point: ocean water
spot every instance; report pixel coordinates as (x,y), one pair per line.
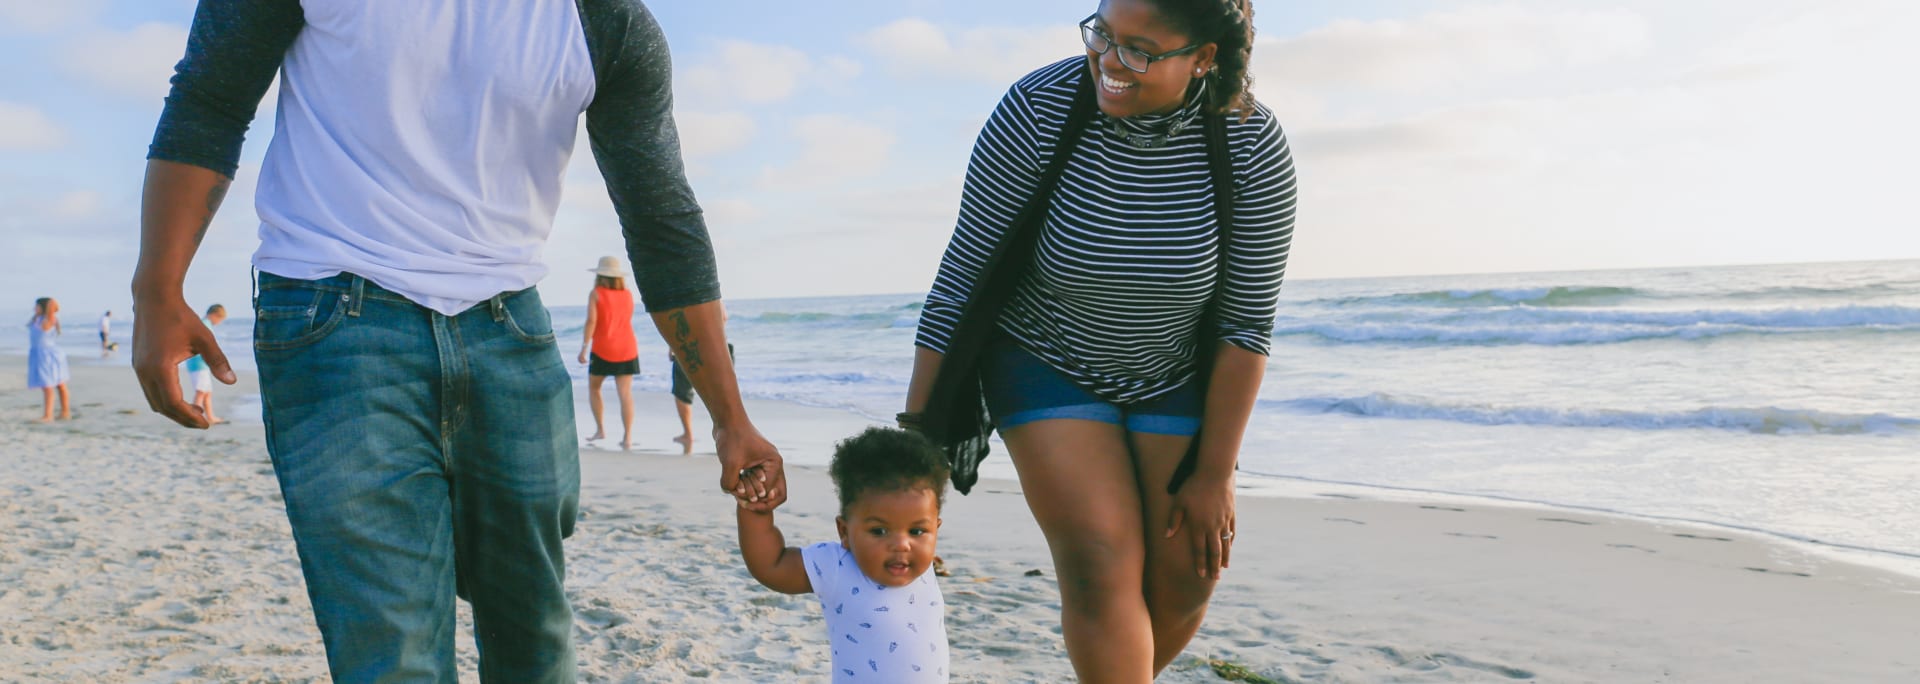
(1783,399)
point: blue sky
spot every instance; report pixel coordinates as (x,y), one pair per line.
(827,140)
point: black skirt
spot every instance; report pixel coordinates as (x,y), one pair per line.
(603,367)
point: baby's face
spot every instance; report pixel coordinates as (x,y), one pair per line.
(891,534)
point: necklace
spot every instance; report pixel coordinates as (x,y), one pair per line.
(1148,141)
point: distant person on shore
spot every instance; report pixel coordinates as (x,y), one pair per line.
(1110,292)
(106,334)
(46,361)
(609,348)
(683,399)
(885,619)
(420,413)
(200,375)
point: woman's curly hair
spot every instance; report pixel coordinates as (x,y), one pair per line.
(886,459)
(1229,25)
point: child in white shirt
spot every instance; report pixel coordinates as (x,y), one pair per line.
(885,616)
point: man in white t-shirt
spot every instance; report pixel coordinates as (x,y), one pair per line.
(420,418)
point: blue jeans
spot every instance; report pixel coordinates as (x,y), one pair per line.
(422,457)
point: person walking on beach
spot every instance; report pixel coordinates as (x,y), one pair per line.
(609,348)
(200,376)
(419,412)
(106,332)
(1110,288)
(46,361)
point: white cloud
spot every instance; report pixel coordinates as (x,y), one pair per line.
(833,148)
(1672,168)
(758,73)
(76,204)
(711,134)
(134,63)
(44,15)
(731,211)
(26,128)
(1451,48)
(992,54)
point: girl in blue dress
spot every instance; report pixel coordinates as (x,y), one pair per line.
(46,362)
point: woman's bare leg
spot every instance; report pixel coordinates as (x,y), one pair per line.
(1079,480)
(623,386)
(46,415)
(594,403)
(1176,595)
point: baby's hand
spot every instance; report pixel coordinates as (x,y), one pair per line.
(765,507)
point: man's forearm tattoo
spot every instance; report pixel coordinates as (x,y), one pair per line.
(686,349)
(214,196)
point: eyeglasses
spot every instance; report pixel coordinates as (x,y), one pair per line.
(1134,59)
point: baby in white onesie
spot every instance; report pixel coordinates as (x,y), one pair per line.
(885,618)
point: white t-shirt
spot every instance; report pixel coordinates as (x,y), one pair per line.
(879,633)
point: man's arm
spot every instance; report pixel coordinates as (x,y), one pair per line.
(233,51)
(697,336)
(631,130)
(768,558)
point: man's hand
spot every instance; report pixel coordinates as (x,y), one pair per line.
(750,467)
(165,333)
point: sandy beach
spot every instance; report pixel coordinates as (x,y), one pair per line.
(133,551)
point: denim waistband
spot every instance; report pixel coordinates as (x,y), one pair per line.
(359,288)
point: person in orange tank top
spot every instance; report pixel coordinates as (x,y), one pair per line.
(608,347)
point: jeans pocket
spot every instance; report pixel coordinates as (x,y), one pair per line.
(287,318)
(526,317)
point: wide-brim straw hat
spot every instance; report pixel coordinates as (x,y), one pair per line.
(609,267)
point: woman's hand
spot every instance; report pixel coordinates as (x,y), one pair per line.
(583,356)
(1204,509)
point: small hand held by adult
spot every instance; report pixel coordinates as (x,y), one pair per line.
(1204,509)
(750,467)
(166,333)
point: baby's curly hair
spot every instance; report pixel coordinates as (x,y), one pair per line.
(886,459)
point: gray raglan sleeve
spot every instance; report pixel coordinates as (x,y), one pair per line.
(233,51)
(630,127)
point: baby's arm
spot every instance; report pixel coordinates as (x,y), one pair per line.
(768,557)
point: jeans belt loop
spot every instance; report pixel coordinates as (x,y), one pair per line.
(253,283)
(499,305)
(359,295)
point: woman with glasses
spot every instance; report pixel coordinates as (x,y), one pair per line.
(1133,325)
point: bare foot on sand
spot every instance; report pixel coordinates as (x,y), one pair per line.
(597,436)
(626,443)
(686,442)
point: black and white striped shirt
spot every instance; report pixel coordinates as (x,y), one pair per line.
(1126,261)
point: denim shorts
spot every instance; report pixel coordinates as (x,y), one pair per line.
(1020,388)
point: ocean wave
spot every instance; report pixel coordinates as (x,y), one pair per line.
(822,379)
(893,318)
(1526,325)
(1763,420)
(1597,295)
(1565,295)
